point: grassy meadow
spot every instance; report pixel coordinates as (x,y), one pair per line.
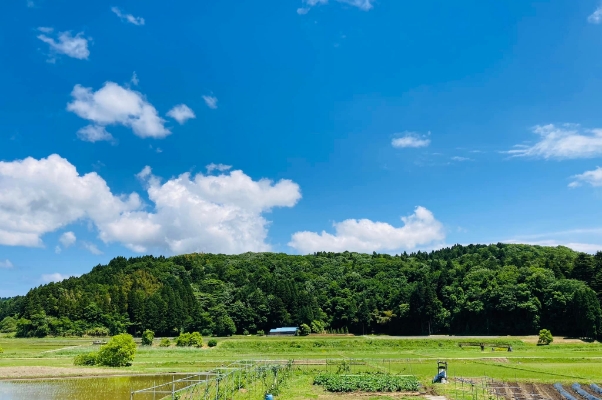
(562,361)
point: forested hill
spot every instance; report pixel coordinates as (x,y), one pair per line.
(476,289)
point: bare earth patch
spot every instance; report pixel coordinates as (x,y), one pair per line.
(52,372)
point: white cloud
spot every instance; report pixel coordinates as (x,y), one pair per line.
(58,249)
(460,159)
(211,101)
(410,139)
(72,46)
(115,105)
(420,228)
(567,141)
(56,277)
(212,213)
(41,196)
(134,81)
(67,239)
(181,113)
(593,177)
(6,264)
(365,5)
(94,133)
(30,4)
(92,248)
(220,213)
(128,17)
(596,16)
(220,167)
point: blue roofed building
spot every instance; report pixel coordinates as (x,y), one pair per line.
(290,331)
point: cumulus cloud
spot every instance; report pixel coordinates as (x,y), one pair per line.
(41,196)
(127,17)
(365,5)
(219,167)
(220,213)
(116,105)
(593,178)
(567,141)
(65,43)
(211,101)
(94,133)
(68,239)
(181,113)
(596,16)
(410,139)
(6,264)
(212,213)
(420,228)
(56,277)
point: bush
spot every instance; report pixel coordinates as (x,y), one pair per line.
(317,326)
(147,337)
(119,352)
(98,331)
(212,343)
(245,332)
(304,330)
(8,325)
(189,339)
(86,359)
(260,332)
(165,342)
(545,337)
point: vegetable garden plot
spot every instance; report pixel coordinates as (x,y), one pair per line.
(377,382)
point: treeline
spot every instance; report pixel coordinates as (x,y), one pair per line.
(476,289)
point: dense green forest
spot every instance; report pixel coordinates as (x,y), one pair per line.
(476,289)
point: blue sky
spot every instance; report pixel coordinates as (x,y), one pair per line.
(133,128)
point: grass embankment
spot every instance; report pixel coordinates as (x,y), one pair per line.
(559,362)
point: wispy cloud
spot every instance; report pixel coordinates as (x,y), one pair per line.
(219,167)
(211,101)
(127,17)
(181,113)
(410,139)
(6,264)
(460,159)
(56,277)
(596,16)
(134,81)
(92,248)
(567,141)
(95,133)
(65,43)
(593,178)
(364,5)
(582,247)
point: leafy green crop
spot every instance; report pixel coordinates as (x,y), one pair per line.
(367,383)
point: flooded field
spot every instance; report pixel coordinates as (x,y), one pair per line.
(94,388)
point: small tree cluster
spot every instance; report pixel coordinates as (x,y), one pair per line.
(165,342)
(147,337)
(119,352)
(304,330)
(317,326)
(340,331)
(545,337)
(193,339)
(212,343)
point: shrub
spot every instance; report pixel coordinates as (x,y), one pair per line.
(189,339)
(304,330)
(86,359)
(545,337)
(317,326)
(98,331)
(8,325)
(147,337)
(212,343)
(260,332)
(119,352)
(165,342)
(245,332)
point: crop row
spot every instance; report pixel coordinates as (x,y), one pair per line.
(367,383)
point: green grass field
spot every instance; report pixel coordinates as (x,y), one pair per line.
(563,361)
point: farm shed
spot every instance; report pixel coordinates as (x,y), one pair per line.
(290,331)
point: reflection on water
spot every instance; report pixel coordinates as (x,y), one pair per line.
(97,388)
